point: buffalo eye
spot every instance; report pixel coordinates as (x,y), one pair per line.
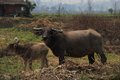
(41,32)
(11,46)
(52,32)
(15,45)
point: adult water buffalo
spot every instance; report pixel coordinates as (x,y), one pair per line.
(30,52)
(73,43)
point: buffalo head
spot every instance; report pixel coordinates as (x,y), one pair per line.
(12,46)
(47,33)
(8,50)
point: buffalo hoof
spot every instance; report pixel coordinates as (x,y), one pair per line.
(104,61)
(61,62)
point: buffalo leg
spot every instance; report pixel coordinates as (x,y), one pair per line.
(100,52)
(45,59)
(25,65)
(61,59)
(30,64)
(91,58)
(44,62)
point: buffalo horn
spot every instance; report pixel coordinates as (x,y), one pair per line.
(37,28)
(16,39)
(59,30)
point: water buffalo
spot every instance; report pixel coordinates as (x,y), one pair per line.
(73,43)
(30,52)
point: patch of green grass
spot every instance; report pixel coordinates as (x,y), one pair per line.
(8,34)
(10,65)
(13,65)
(113,58)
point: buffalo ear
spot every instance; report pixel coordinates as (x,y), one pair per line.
(38,31)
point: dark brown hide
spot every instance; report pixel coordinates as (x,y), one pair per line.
(74,43)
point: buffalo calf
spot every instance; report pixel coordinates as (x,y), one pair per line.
(30,52)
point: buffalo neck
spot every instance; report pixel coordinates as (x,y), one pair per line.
(52,41)
(55,42)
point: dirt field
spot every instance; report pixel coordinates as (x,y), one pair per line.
(73,69)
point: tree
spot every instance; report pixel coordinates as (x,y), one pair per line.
(63,10)
(59,8)
(54,9)
(110,10)
(115,5)
(90,6)
(29,7)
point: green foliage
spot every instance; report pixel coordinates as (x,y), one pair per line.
(31,5)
